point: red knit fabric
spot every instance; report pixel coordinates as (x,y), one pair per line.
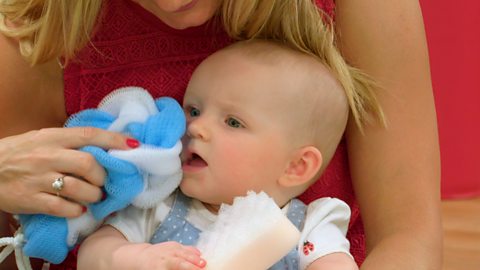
(131,47)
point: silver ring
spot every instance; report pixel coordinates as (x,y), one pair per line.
(58,184)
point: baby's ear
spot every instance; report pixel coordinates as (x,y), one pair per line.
(303,166)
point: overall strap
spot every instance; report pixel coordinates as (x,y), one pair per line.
(296,214)
(175,226)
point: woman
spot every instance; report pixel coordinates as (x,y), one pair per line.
(157,44)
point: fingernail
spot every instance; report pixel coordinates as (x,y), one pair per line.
(84,209)
(132,143)
(202,263)
(104,195)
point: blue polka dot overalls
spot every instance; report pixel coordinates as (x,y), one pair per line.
(175,227)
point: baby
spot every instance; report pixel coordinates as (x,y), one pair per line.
(260,117)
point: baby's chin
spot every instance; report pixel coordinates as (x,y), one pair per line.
(192,191)
(184,188)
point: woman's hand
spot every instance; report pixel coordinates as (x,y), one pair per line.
(30,163)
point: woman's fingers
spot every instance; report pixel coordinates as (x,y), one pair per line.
(77,137)
(78,163)
(63,202)
(49,204)
(80,191)
(74,189)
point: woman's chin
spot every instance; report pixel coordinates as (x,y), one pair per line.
(180,24)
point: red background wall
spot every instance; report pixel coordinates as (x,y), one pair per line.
(453,34)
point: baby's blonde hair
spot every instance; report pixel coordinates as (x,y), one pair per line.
(296,23)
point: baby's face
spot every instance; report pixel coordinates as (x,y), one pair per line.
(236,130)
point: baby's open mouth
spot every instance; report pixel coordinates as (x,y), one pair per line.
(195,160)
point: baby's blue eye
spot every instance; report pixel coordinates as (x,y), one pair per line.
(232,122)
(194,112)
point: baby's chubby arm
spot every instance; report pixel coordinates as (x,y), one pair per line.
(107,248)
(338,261)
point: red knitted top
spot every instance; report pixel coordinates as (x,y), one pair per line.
(132,47)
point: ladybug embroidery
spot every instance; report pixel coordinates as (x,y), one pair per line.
(307,247)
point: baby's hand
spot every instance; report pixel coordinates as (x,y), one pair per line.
(170,256)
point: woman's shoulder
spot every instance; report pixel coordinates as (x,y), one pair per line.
(30,97)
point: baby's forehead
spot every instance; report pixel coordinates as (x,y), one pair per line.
(267,53)
(277,57)
(274,65)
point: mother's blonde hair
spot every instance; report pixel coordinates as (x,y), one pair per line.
(301,25)
(47,29)
(296,23)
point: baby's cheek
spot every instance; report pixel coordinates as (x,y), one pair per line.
(237,162)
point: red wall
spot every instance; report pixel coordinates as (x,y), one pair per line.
(453,33)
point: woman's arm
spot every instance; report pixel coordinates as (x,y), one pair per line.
(30,97)
(395,171)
